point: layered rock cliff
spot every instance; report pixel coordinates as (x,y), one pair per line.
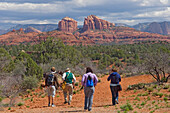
(93,22)
(68,25)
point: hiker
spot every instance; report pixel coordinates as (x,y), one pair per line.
(115,79)
(70,80)
(52,83)
(89,81)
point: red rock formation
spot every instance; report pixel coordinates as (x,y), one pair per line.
(68,25)
(21,29)
(93,22)
(13,30)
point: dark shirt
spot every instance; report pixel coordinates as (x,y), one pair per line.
(115,78)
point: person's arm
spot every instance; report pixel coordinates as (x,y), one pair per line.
(64,76)
(95,80)
(109,77)
(74,79)
(83,79)
(119,78)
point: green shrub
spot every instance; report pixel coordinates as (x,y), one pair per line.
(33,89)
(150,89)
(166,87)
(31,99)
(165,99)
(29,82)
(9,108)
(143,103)
(0,99)
(20,104)
(76,84)
(134,90)
(28,91)
(155,94)
(160,95)
(137,98)
(153,102)
(168,90)
(126,107)
(148,98)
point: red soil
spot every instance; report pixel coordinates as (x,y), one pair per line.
(102,99)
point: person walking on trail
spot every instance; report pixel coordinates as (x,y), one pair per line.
(115,79)
(52,83)
(70,79)
(89,81)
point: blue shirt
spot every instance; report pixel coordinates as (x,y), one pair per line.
(115,78)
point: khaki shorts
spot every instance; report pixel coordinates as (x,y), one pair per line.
(51,91)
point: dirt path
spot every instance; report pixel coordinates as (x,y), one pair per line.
(101,103)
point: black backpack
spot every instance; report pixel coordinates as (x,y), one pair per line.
(50,79)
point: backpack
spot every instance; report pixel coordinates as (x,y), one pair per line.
(90,82)
(50,79)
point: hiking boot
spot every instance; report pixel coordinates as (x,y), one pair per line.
(116,101)
(49,105)
(65,102)
(52,105)
(68,103)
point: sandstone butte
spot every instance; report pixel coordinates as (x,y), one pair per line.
(94,31)
(93,22)
(67,24)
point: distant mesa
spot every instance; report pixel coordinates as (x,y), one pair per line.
(93,22)
(31,29)
(27,30)
(68,25)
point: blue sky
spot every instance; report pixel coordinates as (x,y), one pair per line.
(52,11)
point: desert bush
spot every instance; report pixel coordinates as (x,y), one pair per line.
(166,87)
(20,104)
(30,82)
(155,94)
(136,86)
(137,98)
(165,99)
(150,89)
(76,84)
(160,94)
(126,107)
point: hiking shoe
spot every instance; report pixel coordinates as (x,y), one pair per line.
(68,103)
(116,101)
(52,105)
(49,105)
(65,102)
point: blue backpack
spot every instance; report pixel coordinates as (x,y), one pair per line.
(90,82)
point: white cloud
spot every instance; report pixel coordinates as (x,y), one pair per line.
(164,1)
(30,7)
(159,13)
(32,21)
(84,3)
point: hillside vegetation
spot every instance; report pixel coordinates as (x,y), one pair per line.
(22,66)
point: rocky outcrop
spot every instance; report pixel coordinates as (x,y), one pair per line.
(93,22)
(68,25)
